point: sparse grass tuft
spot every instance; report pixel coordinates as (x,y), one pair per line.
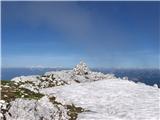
(12,91)
(73,111)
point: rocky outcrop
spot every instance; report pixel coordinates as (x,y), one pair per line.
(79,74)
(42,109)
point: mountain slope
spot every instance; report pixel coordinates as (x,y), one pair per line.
(111,99)
(78,94)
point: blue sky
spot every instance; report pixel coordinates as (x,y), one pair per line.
(103,34)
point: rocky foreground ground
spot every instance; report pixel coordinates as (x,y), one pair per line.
(78,94)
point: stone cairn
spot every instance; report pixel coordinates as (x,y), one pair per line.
(81,69)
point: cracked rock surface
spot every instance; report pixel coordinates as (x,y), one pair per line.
(42,109)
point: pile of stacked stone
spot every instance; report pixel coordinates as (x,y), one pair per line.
(81,69)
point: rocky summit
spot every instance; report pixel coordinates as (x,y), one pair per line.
(78,94)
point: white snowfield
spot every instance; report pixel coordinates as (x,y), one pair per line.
(111,99)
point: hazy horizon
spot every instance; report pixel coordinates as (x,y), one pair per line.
(60,67)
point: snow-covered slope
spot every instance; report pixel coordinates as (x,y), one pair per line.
(111,100)
(78,94)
